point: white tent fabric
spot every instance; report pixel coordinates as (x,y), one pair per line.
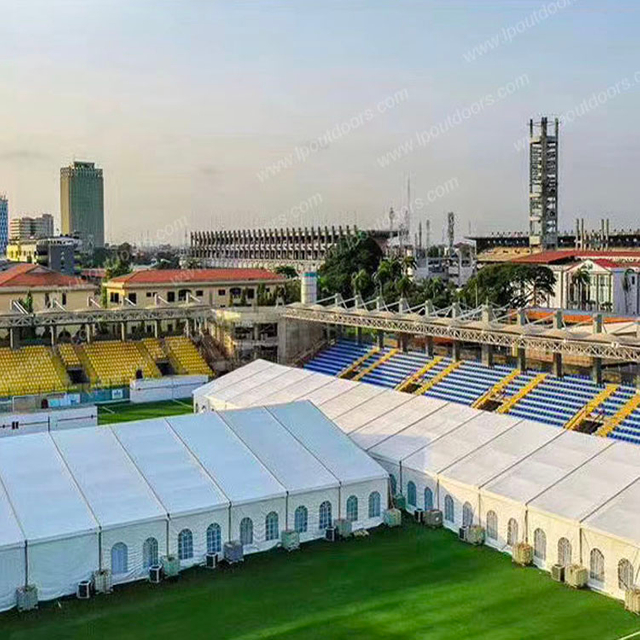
(255,397)
(299,390)
(359,394)
(12,543)
(362,414)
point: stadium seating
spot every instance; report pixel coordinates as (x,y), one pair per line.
(116,363)
(30,370)
(155,349)
(185,356)
(68,355)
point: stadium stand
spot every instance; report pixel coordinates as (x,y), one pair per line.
(116,362)
(30,369)
(185,357)
(562,402)
(69,356)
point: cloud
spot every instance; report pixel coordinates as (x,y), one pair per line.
(24,155)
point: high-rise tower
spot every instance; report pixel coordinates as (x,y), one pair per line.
(543,184)
(4,224)
(82,202)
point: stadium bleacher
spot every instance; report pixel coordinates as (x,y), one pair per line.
(30,369)
(185,356)
(555,401)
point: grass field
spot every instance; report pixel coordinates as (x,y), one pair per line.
(398,583)
(124,412)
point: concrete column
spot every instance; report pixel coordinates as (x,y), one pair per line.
(52,329)
(487,354)
(14,337)
(123,331)
(456,349)
(156,328)
(359,335)
(522,359)
(90,332)
(596,370)
(405,342)
(428,347)
(557,365)
(380,338)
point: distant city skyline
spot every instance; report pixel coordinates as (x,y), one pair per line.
(230,115)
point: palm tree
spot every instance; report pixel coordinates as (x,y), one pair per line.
(360,281)
(404,286)
(581,280)
(383,273)
(409,263)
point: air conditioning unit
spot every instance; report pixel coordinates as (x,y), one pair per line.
(576,576)
(557,572)
(233,552)
(471,534)
(522,554)
(418,515)
(399,501)
(211,560)
(155,573)
(331,534)
(27,597)
(170,566)
(102,581)
(432,518)
(290,540)
(83,592)
(393,517)
(343,526)
(462,533)
(632,600)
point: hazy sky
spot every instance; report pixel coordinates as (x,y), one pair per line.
(186,104)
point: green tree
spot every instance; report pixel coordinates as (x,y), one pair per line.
(360,281)
(287,271)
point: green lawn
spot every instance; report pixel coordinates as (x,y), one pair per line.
(124,412)
(398,583)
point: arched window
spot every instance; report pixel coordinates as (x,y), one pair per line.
(492,525)
(301,519)
(596,565)
(246,531)
(540,544)
(272,531)
(149,552)
(512,532)
(412,499)
(214,538)
(394,484)
(625,574)
(564,552)
(325,515)
(428,499)
(352,508)
(185,544)
(374,504)
(467,514)
(448,509)
(119,558)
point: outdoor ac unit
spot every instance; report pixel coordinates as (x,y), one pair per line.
(290,540)
(83,592)
(472,534)
(462,533)
(170,566)
(211,560)
(393,517)
(399,501)
(331,534)
(343,528)
(27,597)
(522,554)
(576,576)
(632,600)
(557,572)
(102,581)
(433,518)
(233,552)
(418,515)
(155,573)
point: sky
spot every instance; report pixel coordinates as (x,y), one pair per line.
(236,114)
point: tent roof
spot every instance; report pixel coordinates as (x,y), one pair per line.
(379,404)
(326,392)
(300,389)
(174,474)
(545,467)
(327,442)
(621,516)
(233,377)
(109,481)
(581,492)
(256,396)
(295,467)
(10,533)
(358,394)
(238,472)
(46,500)
(388,424)
(245,384)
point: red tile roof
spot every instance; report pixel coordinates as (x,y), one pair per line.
(171,276)
(35,275)
(550,257)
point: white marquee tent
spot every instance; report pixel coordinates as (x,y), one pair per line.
(121,496)
(573,497)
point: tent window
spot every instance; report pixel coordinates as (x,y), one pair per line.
(149,552)
(374,504)
(540,544)
(214,538)
(625,574)
(119,558)
(596,565)
(271,526)
(246,531)
(467,514)
(352,508)
(564,552)
(512,532)
(185,544)
(428,499)
(492,525)
(394,484)
(325,515)
(301,519)
(448,509)
(412,500)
